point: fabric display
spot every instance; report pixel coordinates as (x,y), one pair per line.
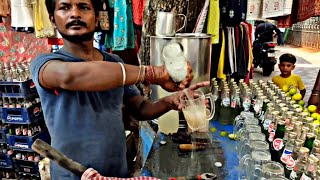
(254,9)
(22,16)
(43,25)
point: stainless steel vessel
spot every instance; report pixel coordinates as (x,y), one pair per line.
(197,50)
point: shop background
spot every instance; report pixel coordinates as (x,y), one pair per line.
(19,46)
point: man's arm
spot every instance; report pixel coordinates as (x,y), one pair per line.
(314,98)
(101,75)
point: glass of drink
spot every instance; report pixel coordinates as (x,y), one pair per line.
(251,146)
(195,111)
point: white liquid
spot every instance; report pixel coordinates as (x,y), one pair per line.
(169,122)
(196,117)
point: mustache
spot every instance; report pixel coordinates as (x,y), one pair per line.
(76,22)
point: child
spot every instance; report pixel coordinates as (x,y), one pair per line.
(287,64)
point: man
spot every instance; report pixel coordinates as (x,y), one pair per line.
(82,91)
(264,31)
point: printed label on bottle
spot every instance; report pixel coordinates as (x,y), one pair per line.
(277,144)
(246,104)
(266,124)
(293,174)
(226,102)
(233,103)
(270,128)
(271,135)
(305,177)
(286,158)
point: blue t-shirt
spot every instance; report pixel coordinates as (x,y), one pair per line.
(85,126)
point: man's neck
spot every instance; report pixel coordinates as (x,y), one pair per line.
(83,50)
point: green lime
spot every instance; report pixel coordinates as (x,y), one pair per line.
(213,129)
(223,133)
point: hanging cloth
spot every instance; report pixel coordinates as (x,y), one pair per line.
(123,33)
(21,13)
(254,9)
(308,8)
(4,8)
(214,21)
(231,49)
(137,8)
(221,75)
(43,25)
(272,8)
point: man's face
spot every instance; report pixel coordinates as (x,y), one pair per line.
(75,19)
(286,68)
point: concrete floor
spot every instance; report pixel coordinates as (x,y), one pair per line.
(307,66)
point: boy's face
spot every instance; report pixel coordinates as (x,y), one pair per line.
(286,68)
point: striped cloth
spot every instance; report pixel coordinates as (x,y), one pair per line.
(91,174)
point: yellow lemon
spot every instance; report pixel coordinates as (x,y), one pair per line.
(314,115)
(301,103)
(285,88)
(223,133)
(292,91)
(318,118)
(288,94)
(297,97)
(317,122)
(312,108)
(232,136)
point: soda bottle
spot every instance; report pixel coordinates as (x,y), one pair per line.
(300,164)
(311,168)
(277,144)
(309,141)
(286,157)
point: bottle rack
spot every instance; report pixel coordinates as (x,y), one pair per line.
(22,123)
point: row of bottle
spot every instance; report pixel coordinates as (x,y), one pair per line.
(30,156)
(7,102)
(14,72)
(23,130)
(290,133)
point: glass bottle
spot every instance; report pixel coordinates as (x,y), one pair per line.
(309,141)
(298,128)
(286,157)
(311,168)
(267,120)
(300,164)
(303,136)
(277,144)
(272,125)
(225,109)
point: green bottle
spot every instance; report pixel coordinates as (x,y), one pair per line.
(309,141)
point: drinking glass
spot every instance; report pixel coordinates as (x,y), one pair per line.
(252,137)
(245,131)
(243,122)
(272,169)
(251,164)
(253,146)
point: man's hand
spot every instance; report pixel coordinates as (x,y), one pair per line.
(163,79)
(174,100)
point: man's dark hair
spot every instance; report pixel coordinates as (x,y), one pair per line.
(288,58)
(257,22)
(52,3)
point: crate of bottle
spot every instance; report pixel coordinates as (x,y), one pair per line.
(24,142)
(24,115)
(3,135)
(5,161)
(17,89)
(25,167)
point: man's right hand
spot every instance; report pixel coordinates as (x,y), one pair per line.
(163,79)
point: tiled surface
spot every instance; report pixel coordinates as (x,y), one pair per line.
(306,68)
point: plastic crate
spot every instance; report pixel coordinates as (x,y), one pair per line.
(3,135)
(24,143)
(22,115)
(26,167)
(17,89)
(5,161)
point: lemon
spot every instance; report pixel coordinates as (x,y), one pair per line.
(285,88)
(223,133)
(314,115)
(317,122)
(288,94)
(318,118)
(301,103)
(312,108)
(297,97)
(232,136)
(292,91)
(213,129)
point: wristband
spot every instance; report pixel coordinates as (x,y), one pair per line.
(123,73)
